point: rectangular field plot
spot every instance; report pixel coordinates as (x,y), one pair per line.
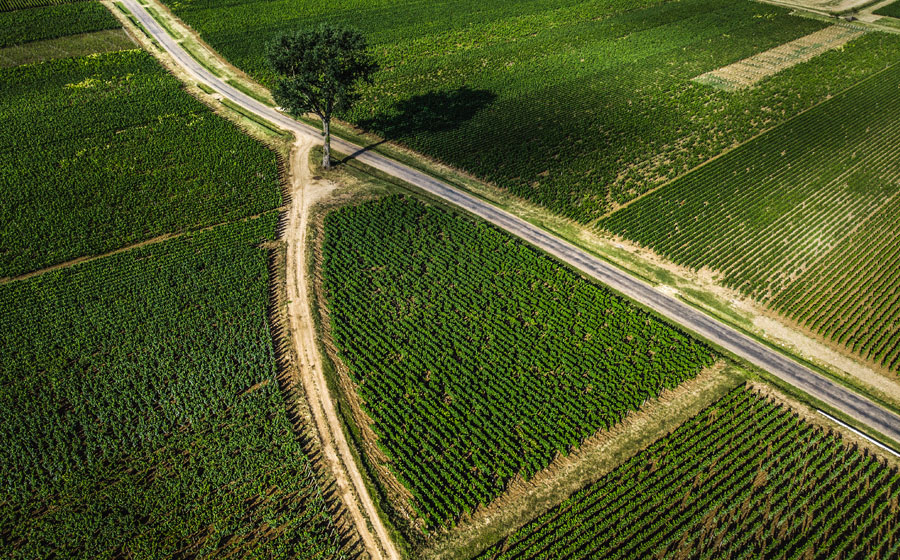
(105,151)
(744,478)
(110,40)
(141,414)
(477,358)
(577,105)
(786,208)
(748,72)
(11,5)
(50,22)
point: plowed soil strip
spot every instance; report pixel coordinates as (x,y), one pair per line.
(746,73)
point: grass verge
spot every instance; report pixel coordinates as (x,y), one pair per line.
(165,25)
(134,21)
(189,48)
(266,125)
(246,90)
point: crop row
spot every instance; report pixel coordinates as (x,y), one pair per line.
(104,151)
(852,296)
(575,106)
(745,478)
(50,22)
(799,218)
(477,358)
(142,417)
(777,204)
(10,5)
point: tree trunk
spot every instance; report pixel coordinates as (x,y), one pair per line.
(326,149)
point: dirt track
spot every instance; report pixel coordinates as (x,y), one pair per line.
(305,192)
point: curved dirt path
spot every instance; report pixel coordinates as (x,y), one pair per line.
(305,192)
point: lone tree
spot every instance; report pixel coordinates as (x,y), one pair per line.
(319,71)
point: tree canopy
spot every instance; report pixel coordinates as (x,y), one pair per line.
(319,71)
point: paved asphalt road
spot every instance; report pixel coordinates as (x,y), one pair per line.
(822,388)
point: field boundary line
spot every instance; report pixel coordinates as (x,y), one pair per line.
(185,64)
(846,426)
(152,241)
(595,223)
(350,485)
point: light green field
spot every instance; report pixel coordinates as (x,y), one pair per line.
(801,218)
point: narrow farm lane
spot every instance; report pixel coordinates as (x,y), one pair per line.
(305,192)
(850,403)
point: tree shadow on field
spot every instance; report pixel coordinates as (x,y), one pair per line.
(433,112)
(436,111)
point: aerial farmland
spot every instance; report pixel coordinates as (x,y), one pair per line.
(395,279)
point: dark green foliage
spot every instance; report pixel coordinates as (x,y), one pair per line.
(782,218)
(319,69)
(745,478)
(104,151)
(479,358)
(51,22)
(141,415)
(9,5)
(589,102)
(891,10)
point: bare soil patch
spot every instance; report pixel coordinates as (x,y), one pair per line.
(749,71)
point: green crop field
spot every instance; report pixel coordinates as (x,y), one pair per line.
(477,357)
(141,415)
(109,40)
(51,22)
(852,294)
(785,218)
(10,5)
(891,10)
(138,158)
(62,30)
(576,104)
(144,414)
(746,478)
